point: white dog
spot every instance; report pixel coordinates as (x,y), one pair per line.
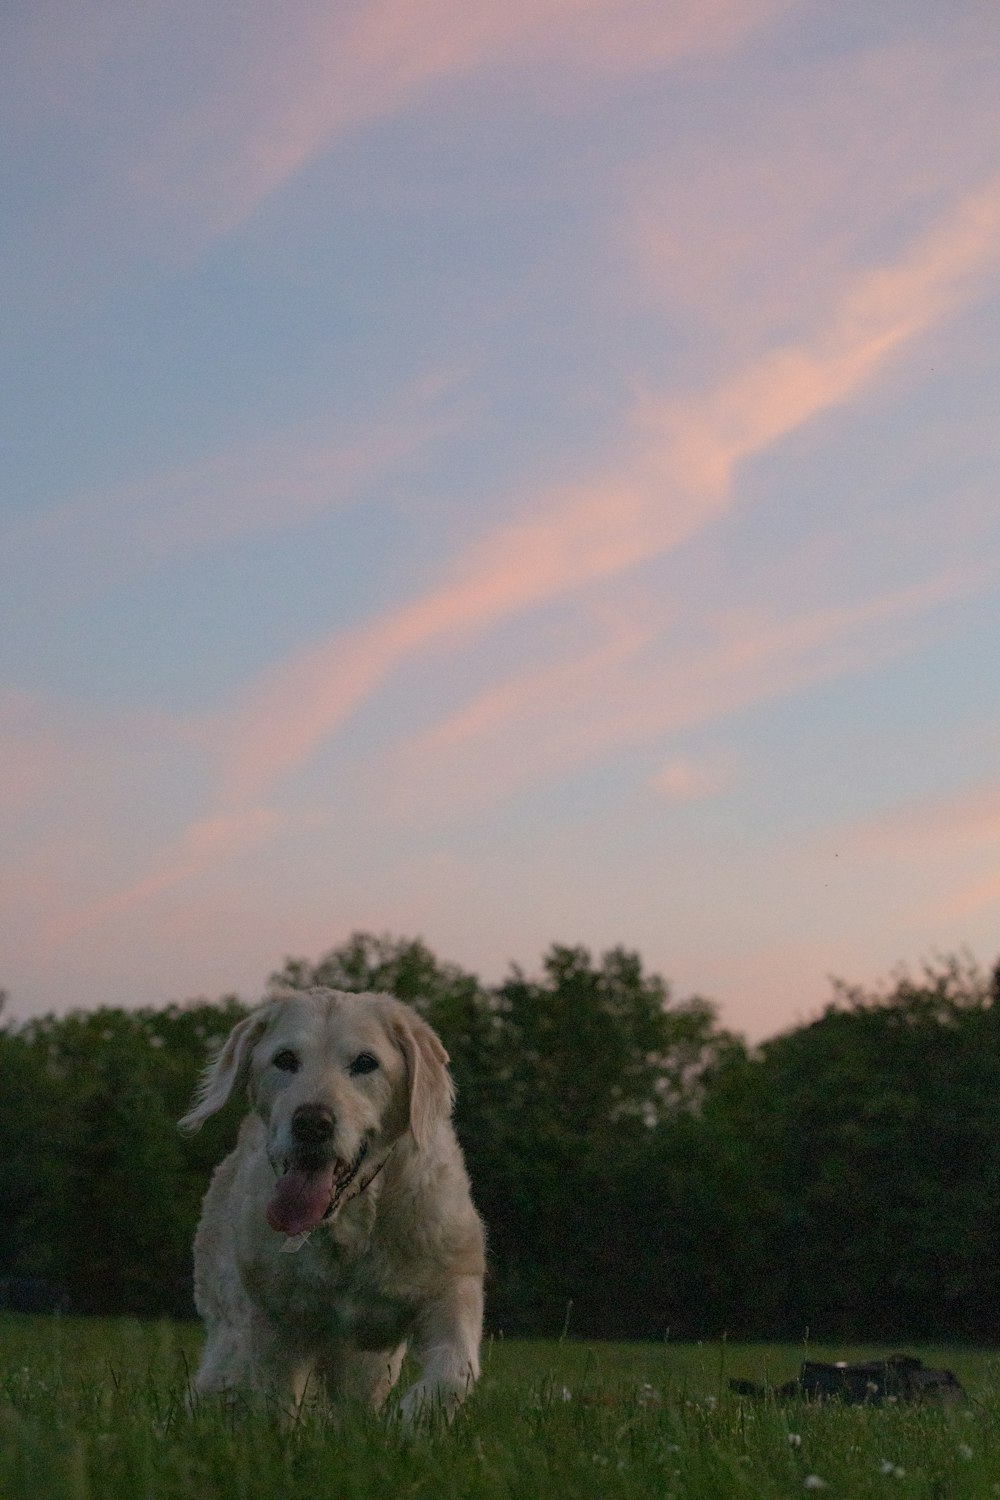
(341,1228)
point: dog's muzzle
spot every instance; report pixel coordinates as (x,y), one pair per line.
(313,1183)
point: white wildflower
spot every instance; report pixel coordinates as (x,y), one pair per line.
(567,1395)
(964,1451)
(813,1482)
(891,1470)
(795,1440)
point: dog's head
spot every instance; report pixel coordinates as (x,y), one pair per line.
(337,1079)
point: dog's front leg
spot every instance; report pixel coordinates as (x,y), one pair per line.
(254,1362)
(446,1344)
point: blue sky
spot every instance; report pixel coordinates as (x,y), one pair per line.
(503,472)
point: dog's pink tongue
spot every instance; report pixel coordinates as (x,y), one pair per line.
(300,1200)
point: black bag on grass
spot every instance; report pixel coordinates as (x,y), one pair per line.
(901,1377)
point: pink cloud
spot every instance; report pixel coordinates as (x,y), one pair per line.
(678,478)
(577,540)
(569,681)
(32,756)
(203,845)
(946,847)
(975,898)
(682,780)
(636,689)
(876,316)
(63,765)
(289,87)
(273,484)
(967,820)
(758,222)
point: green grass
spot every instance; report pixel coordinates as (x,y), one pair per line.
(92,1409)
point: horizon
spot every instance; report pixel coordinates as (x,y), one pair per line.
(967,966)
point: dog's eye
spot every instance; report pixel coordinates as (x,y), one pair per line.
(364,1063)
(286,1061)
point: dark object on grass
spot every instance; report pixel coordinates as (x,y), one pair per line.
(901,1377)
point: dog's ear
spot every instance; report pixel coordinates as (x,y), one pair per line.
(431,1090)
(227,1070)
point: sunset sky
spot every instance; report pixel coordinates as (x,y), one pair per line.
(504,471)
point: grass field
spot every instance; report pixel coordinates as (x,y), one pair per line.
(93,1409)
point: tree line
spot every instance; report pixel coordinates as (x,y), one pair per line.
(641,1170)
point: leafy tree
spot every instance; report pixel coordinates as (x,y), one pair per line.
(675,1238)
(602,1045)
(98,1192)
(595,1056)
(126,1244)
(877,1146)
(32,1174)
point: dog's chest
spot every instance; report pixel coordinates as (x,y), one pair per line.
(330,1294)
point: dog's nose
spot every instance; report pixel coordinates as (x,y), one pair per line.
(312,1124)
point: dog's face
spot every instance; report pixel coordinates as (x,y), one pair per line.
(337,1079)
(329,1082)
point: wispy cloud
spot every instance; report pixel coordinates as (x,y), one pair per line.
(32,756)
(293,86)
(556,720)
(560,685)
(271,484)
(679,477)
(880,312)
(684,780)
(678,474)
(203,845)
(953,838)
(575,541)
(969,819)
(974,898)
(759,221)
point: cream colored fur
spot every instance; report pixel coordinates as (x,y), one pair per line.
(399,1263)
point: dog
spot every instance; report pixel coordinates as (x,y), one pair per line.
(341,1230)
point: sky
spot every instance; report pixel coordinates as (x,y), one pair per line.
(503,471)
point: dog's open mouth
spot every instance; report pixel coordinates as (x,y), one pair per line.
(305,1195)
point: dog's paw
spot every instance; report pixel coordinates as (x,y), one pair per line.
(427,1404)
